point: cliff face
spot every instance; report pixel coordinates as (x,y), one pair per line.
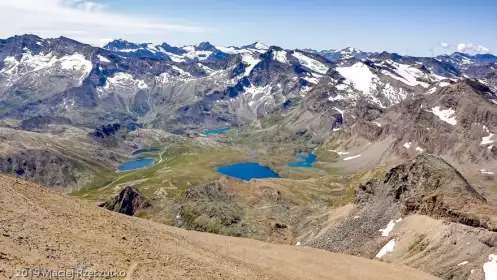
(430,186)
(430,215)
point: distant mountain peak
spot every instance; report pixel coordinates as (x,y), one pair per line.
(260,46)
(256,45)
(205,46)
(351,50)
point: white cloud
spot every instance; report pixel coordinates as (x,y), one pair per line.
(86,6)
(470,48)
(444,44)
(82,20)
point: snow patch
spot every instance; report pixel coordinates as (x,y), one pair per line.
(124,81)
(339,153)
(386,249)
(174,57)
(339,111)
(386,231)
(251,62)
(490,268)
(377,124)
(444,84)
(352,157)
(487,139)
(341,87)
(406,74)
(311,78)
(181,71)
(257,95)
(280,56)
(407,145)
(463,263)
(446,115)
(337,97)
(419,149)
(432,90)
(229,50)
(103,59)
(360,75)
(310,63)
(484,171)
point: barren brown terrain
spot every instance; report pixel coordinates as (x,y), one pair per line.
(42,229)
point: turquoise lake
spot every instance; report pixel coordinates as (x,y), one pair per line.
(303,161)
(247,171)
(216,131)
(136,164)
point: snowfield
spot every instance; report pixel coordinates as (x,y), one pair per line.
(406,74)
(311,63)
(123,81)
(446,115)
(280,56)
(360,75)
(75,63)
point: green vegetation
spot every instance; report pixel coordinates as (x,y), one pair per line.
(418,245)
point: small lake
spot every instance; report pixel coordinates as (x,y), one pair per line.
(216,131)
(304,161)
(247,171)
(141,151)
(136,164)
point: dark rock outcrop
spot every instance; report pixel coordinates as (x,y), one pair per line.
(428,185)
(129,201)
(106,130)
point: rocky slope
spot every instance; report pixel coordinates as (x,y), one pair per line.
(51,228)
(385,222)
(454,120)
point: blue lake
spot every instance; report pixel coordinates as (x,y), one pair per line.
(140,151)
(247,171)
(136,164)
(216,131)
(304,161)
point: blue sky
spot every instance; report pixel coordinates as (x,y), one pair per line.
(412,27)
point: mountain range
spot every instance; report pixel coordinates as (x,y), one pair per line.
(405,147)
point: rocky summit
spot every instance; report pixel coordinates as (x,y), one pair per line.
(382,165)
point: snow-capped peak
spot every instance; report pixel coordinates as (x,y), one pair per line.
(350,50)
(257,46)
(260,46)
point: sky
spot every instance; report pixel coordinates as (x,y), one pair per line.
(419,28)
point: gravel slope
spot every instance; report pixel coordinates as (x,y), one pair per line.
(42,229)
